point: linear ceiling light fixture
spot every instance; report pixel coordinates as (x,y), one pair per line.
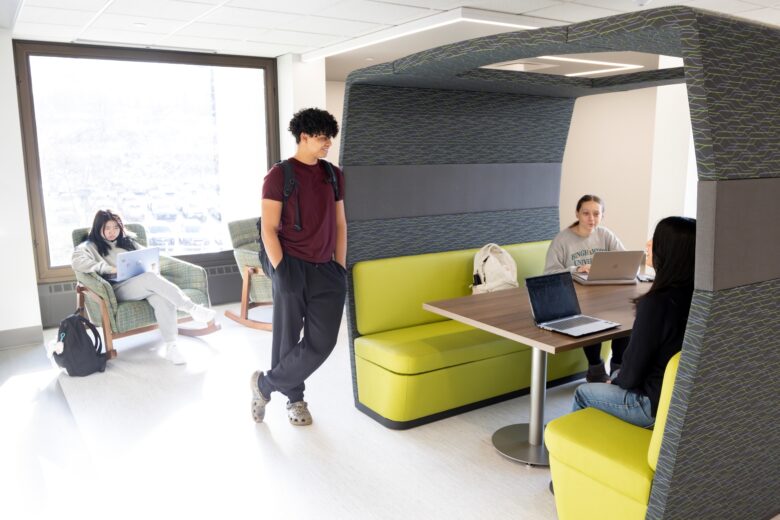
(461,14)
(613,67)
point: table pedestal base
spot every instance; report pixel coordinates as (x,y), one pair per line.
(512,442)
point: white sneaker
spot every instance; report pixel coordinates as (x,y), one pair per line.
(173,355)
(201,313)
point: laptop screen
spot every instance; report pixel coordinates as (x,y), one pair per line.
(552,296)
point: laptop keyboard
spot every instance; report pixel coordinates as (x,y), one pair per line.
(570,323)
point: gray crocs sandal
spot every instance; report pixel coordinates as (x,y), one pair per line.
(258,399)
(298,413)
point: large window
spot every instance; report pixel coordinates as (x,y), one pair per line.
(178,142)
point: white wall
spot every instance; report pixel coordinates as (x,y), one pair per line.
(20,307)
(669,180)
(632,149)
(301,85)
(334,95)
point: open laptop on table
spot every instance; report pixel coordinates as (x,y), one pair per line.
(555,306)
(133,263)
(612,267)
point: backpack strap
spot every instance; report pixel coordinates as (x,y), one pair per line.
(332,178)
(289,186)
(90,326)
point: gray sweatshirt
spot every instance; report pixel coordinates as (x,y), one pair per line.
(87,259)
(568,250)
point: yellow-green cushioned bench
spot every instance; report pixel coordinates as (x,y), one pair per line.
(413,366)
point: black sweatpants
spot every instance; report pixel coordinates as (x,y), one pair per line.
(308,297)
(593,352)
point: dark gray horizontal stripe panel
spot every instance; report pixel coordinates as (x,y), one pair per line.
(382,192)
(736,237)
(370,239)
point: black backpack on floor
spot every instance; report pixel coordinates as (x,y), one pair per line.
(81,355)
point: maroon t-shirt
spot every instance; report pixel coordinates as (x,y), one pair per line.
(316,241)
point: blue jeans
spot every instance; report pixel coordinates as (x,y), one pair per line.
(629,406)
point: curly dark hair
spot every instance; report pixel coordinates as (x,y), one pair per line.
(313,121)
(96,233)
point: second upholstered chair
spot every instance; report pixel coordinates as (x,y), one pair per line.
(256,287)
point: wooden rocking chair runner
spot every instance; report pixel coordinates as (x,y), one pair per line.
(121,319)
(256,287)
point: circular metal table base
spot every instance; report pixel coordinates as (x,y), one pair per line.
(512,443)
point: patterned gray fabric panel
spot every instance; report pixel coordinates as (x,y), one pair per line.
(419,126)
(370,239)
(724,422)
(741,68)
(380,192)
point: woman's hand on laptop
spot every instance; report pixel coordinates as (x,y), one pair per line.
(583,268)
(111,270)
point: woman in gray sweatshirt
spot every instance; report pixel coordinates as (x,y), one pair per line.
(572,250)
(98,253)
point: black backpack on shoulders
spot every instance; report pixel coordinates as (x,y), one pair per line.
(81,355)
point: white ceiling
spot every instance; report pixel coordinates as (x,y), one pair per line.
(316,28)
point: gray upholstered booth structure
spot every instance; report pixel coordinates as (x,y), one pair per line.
(440,154)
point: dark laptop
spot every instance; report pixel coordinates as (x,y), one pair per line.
(555,306)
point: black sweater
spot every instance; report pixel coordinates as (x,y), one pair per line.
(657,335)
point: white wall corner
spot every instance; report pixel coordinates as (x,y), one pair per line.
(670,190)
(335,105)
(609,153)
(301,85)
(17,269)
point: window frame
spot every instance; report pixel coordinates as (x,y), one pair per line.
(24,49)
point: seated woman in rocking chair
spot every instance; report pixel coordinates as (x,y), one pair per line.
(98,254)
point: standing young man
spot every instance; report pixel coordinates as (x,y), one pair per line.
(305,255)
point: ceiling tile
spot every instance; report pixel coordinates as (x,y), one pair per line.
(296,6)
(442,5)
(376,12)
(767,16)
(322,25)
(724,6)
(45,31)
(168,9)
(81,5)
(300,38)
(248,17)
(48,15)
(123,22)
(225,46)
(571,12)
(195,43)
(98,34)
(514,6)
(765,3)
(215,30)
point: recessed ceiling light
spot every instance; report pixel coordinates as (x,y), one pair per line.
(613,67)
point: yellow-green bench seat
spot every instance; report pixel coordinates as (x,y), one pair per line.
(413,366)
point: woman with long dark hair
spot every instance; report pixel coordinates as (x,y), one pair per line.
(657,335)
(572,250)
(97,254)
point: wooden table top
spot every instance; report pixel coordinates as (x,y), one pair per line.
(508,314)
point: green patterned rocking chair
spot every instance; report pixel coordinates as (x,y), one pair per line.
(256,287)
(121,319)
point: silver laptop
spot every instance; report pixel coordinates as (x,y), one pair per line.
(555,306)
(612,267)
(133,263)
